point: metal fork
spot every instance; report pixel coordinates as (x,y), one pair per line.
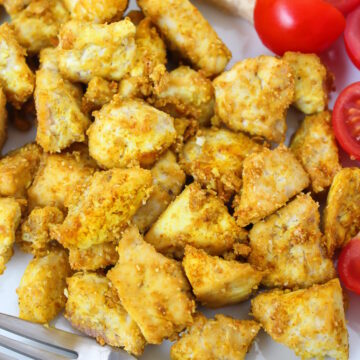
(78,347)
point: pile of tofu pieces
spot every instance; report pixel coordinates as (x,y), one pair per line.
(150,191)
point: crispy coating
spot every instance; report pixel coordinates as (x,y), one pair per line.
(152,288)
(222,338)
(311,82)
(101,314)
(254,97)
(311,322)
(104,207)
(315,146)
(217,282)
(185,92)
(197,218)
(342,212)
(17,170)
(41,289)
(189,33)
(168,181)
(129,132)
(270,179)
(58,106)
(3,118)
(37,26)
(214,158)
(185,129)
(291,236)
(14,6)
(88,50)
(35,230)
(16,78)
(98,93)
(96,11)
(10,215)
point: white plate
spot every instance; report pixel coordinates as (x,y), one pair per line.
(242,40)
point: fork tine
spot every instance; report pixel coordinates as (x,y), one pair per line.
(6,357)
(28,350)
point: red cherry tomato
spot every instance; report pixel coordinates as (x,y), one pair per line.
(345,6)
(309,26)
(349,265)
(352,36)
(346,119)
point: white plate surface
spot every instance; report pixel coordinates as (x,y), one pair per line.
(242,40)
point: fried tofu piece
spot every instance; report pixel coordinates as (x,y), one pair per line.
(168,181)
(101,314)
(58,107)
(188,33)
(14,6)
(37,26)
(291,236)
(17,170)
(152,288)
(311,322)
(196,218)
(10,216)
(128,133)
(185,92)
(3,119)
(312,82)
(216,339)
(57,176)
(98,93)
(16,78)
(217,282)
(214,158)
(104,50)
(104,207)
(315,146)
(342,212)
(41,290)
(35,230)
(254,97)
(270,179)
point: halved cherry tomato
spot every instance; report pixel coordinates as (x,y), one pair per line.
(352,36)
(345,6)
(346,119)
(349,265)
(309,26)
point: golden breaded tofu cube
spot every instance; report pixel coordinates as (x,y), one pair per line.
(197,218)
(315,146)
(14,6)
(254,97)
(98,93)
(185,92)
(311,322)
(214,158)
(215,339)
(168,181)
(128,133)
(10,215)
(97,11)
(152,288)
(104,207)
(95,257)
(58,107)
(88,50)
(16,78)
(41,290)
(217,282)
(37,26)
(189,33)
(312,82)
(3,119)
(93,308)
(287,246)
(35,230)
(270,179)
(17,170)
(342,212)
